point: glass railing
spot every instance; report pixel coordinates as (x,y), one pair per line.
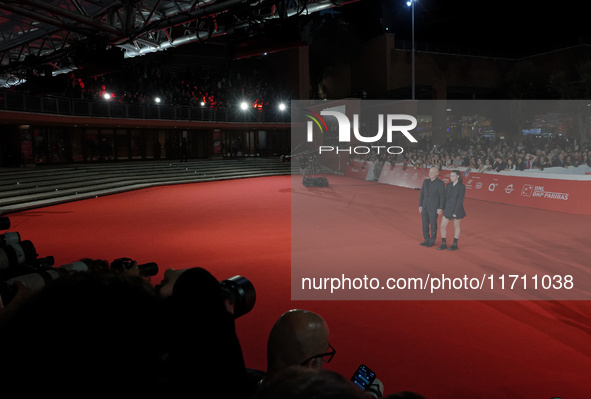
(15,101)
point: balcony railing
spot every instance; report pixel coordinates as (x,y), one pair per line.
(14,101)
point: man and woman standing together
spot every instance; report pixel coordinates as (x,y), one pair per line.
(437,199)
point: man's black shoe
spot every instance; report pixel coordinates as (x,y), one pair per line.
(424,243)
(442,246)
(453,247)
(430,244)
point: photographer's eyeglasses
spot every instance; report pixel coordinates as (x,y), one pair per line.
(326,357)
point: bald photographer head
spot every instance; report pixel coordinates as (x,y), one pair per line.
(298,338)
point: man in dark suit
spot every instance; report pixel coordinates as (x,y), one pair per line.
(431,204)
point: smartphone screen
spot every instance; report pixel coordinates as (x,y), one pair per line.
(363,377)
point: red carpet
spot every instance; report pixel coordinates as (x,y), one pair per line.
(442,349)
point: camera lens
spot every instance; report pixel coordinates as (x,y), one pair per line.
(17,254)
(33,281)
(75,267)
(241,293)
(120,265)
(148,269)
(9,238)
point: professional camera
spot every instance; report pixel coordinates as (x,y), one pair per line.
(13,251)
(240,293)
(16,253)
(9,238)
(123,265)
(34,278)
(19,262)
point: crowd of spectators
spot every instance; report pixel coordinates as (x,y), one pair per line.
(141,81)
(489,155)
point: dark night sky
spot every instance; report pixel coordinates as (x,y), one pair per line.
(521,25)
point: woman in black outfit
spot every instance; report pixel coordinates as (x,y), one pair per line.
(454,208)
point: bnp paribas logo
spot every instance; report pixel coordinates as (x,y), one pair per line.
(387,124)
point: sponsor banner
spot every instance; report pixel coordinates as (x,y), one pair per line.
(402,175)
(534,192)
(550,194)
(359,170)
